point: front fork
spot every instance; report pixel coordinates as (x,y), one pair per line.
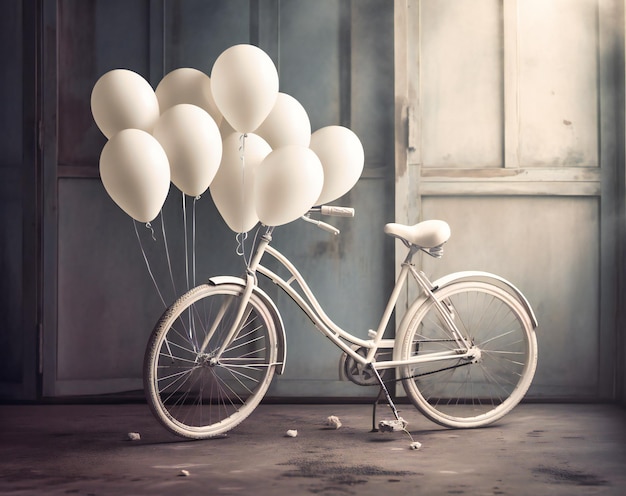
(240,317)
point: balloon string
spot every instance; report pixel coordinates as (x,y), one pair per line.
(186,242)
(193,252)
(241,236)
(191,330)
(167,254)
(145,259)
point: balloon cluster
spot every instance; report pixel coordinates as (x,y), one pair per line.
(233,133)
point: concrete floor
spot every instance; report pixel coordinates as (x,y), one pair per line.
(535,450)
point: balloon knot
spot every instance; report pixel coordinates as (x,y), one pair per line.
(241,238)
(149,226)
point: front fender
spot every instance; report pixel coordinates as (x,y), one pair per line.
(278,320)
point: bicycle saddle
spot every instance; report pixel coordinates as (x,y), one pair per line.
(426,234)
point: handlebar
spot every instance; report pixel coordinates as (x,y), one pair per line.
(329,210)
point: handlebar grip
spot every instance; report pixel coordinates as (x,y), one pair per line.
(337,211)
(328,228)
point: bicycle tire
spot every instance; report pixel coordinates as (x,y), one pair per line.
(189,392)
(462,393)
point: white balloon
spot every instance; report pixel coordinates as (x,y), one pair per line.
(192,142)
(232,189)
(288,182)
(187,85)
(342,157)
(122,99)
(287,124)
(135,173)
(244,83)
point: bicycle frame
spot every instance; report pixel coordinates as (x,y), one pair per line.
(340,337)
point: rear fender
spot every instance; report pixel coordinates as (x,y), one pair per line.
(493,279)
(470,275)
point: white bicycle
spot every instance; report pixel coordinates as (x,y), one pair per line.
(465,350)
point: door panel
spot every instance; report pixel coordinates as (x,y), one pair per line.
(94,37)
(558,83)
(461,83)
(548,248)
(107,300)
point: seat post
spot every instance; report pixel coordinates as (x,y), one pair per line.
(413,249)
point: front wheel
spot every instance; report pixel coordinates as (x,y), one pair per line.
(191,390)
(477,390)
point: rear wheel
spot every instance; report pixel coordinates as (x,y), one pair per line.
(193,392)
(470,392)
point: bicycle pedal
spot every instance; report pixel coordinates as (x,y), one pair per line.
(394,425)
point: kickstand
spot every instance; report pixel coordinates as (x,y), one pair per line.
(401,422)
(383,389)
(374,425)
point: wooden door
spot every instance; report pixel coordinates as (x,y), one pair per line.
(507,127)
(335,57)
